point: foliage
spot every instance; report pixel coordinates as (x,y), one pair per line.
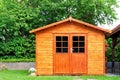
(23,75)
(18,60)
(18,17)
(92,11)
(109,52)
(15,40)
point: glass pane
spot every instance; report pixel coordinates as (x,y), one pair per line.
(65,44)
(81,38)
(81,44)
(65,38)
(75,38)
(58,38)
(65,49)
(75,44)
(75,50)
(81,50)
(58,44)
(58,49)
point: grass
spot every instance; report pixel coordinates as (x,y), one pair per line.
(23,75)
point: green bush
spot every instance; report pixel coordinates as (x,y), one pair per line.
(18,60)
(109,52)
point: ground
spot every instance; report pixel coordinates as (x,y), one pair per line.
(24,75)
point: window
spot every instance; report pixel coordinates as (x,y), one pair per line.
(61,44)
(78,44)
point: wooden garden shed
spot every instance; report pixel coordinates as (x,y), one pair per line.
(70,47)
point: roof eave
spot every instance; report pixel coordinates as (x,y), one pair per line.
(70,19)
(48,26)
(115,30)
(93,26)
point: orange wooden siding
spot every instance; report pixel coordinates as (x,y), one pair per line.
(61,64)
(45,49)
(44,56)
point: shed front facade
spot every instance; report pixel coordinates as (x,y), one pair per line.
(70,47)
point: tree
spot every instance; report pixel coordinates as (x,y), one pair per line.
(16,42)
(92,11)
(18,17)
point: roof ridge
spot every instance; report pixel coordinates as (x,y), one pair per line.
(69,19)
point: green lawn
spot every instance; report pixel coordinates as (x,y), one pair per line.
(23,75)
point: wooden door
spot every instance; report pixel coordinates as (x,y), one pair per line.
(78,54)
(61,55)
(70,54)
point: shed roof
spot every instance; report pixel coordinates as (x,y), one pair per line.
(115,31)
(71,20)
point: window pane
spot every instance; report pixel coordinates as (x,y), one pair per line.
(65,49)
(58,38)
(81,38)
(75,38)
(65,38)
(81,44)
(81,50)
(58,44)
(75,44)
(58,49)
(75,50)
(65,44)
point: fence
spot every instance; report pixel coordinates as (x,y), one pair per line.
(115,69)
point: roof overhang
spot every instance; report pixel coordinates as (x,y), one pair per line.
(115,31)
(71,20)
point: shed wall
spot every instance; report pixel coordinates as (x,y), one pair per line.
(95,47)
(44,54)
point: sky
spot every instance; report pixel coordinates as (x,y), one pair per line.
(116,22)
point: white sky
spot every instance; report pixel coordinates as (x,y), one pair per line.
(115,23)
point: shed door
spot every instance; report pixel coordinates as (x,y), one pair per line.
(70,54)
(78,54)
(61,55)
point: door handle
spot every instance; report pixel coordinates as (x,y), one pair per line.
(71,50)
